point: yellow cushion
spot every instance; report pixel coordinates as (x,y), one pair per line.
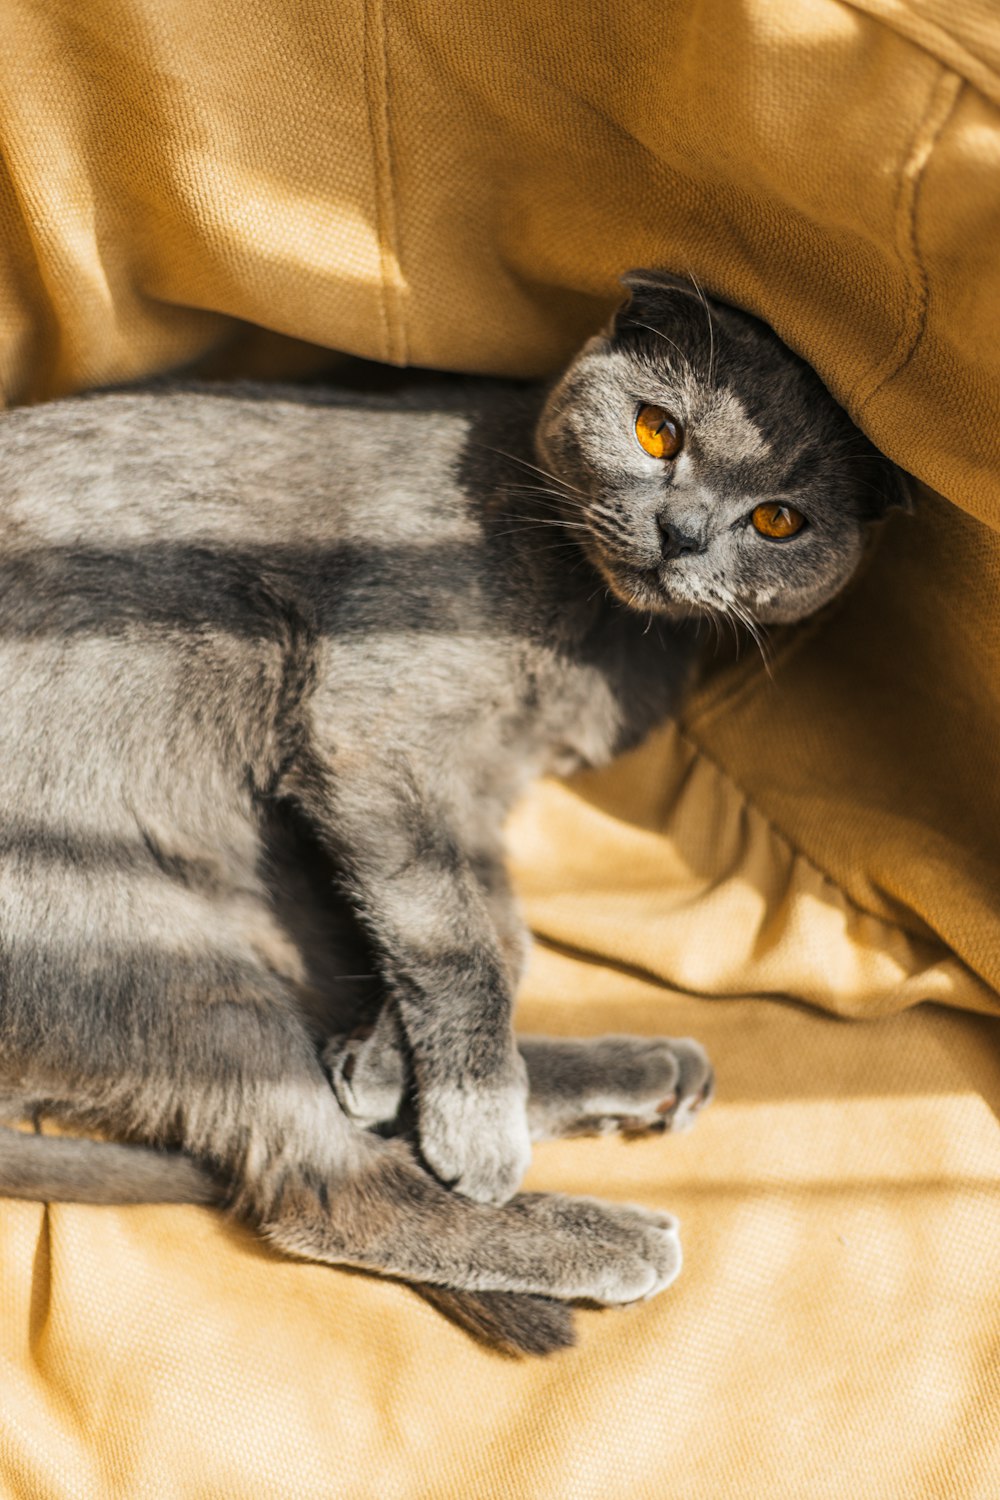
(833,1332)
(254,184)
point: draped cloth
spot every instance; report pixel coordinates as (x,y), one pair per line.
(804,873)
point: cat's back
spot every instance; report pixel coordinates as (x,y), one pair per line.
(164,553)
(243,465)
(159,549)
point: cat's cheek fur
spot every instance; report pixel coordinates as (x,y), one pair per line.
(807,589)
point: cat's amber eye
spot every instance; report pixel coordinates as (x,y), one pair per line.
(660,435)
(777,521)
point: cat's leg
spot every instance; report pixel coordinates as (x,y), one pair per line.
(511,929)
(392,1216)
(223,1069)
(594,1086)
(416,891)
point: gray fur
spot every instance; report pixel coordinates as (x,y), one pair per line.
(625,1084)
(274,665)
(60,1169)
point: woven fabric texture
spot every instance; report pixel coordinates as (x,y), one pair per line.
(257,186)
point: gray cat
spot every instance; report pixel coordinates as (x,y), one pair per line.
(275,664)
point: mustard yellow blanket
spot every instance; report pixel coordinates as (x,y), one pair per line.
(251,184)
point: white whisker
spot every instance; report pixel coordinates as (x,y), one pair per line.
(661,335)
(711,331)
(526,522)
(562,484)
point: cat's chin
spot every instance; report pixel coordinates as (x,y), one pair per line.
(643,589)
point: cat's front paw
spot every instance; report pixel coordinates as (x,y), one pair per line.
(476,1138)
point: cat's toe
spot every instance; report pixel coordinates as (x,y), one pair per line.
(695,1087)
(655,1261)
(641,1254)
(653,1084)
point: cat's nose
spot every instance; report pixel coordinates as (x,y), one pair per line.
(674,542)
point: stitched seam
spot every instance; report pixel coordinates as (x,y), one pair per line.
(377,90)
(944,96)
(400,353)
(944,46)
(366,21)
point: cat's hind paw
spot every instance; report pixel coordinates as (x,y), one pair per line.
(694,1087)
(616,1085)
(368,1073)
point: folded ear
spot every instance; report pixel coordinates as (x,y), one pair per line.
(898,489)
(640,282)
(658,297)
(893,490)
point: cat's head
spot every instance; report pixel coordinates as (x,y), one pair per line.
(710,468)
